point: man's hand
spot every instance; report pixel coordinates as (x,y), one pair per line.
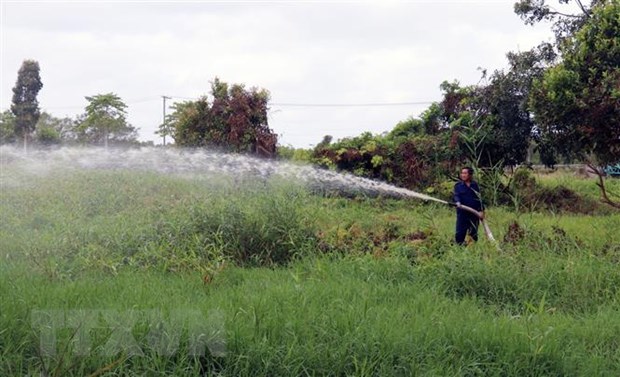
(481,215)
(458,204)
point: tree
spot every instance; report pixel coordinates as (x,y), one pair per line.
(565,24)
(52,130)
(7,127)
(236,120)
(490,123)
(165,128)
(503,106)
(577,102)
(406,128)
(47,136)
(325,142)
(105,120)
(25,106)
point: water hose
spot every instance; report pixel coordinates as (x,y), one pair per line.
(413,194)
(487,230)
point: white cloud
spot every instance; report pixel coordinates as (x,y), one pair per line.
(301,52)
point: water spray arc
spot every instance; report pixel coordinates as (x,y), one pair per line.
(205,164)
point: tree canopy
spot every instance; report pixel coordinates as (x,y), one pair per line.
(564,22)
(577,102)
(563,97)
(235,120)
(105,120)
(7,127)
(25,105)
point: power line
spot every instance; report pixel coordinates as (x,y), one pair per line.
(302,104)
(278,104)
(182,97)
(377,104)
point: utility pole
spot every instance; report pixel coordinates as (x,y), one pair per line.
(164,126)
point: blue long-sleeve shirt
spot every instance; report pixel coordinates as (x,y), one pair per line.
(468,195)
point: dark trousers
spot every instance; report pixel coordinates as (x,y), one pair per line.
(466,223)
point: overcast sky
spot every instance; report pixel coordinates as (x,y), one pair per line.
(302,52)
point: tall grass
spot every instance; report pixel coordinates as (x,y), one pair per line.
(322,316)
(304,286)
(109,220)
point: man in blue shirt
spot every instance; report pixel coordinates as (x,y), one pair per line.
(467,193)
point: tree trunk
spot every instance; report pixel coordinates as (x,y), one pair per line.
(601,184)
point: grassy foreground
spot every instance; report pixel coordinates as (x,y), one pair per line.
(279,282)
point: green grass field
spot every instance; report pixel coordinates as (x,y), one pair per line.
(287,283)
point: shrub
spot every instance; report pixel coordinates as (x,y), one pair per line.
(529,195)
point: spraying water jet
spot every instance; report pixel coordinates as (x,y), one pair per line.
(182,162)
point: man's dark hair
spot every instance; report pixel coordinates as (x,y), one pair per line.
(470,170)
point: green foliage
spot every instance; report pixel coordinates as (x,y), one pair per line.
(565,21)
(354,154)
(48,130)
(432,119)
(577,102)
(406,157)
(529,195)
(473,142)
(236,120)
(47,136)
(491,125)
(105,120)
(407,128)
(247,223)
(294,154)
(413,162)
(551,286)
(488,126)
(25,105)
(494,116)
(261,226)
(484,126)
(62,128)
(324,143)
(360,280)
(7,127)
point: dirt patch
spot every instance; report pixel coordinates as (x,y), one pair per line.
(514,234)
(417,236)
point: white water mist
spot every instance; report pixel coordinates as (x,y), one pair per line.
(196,162)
